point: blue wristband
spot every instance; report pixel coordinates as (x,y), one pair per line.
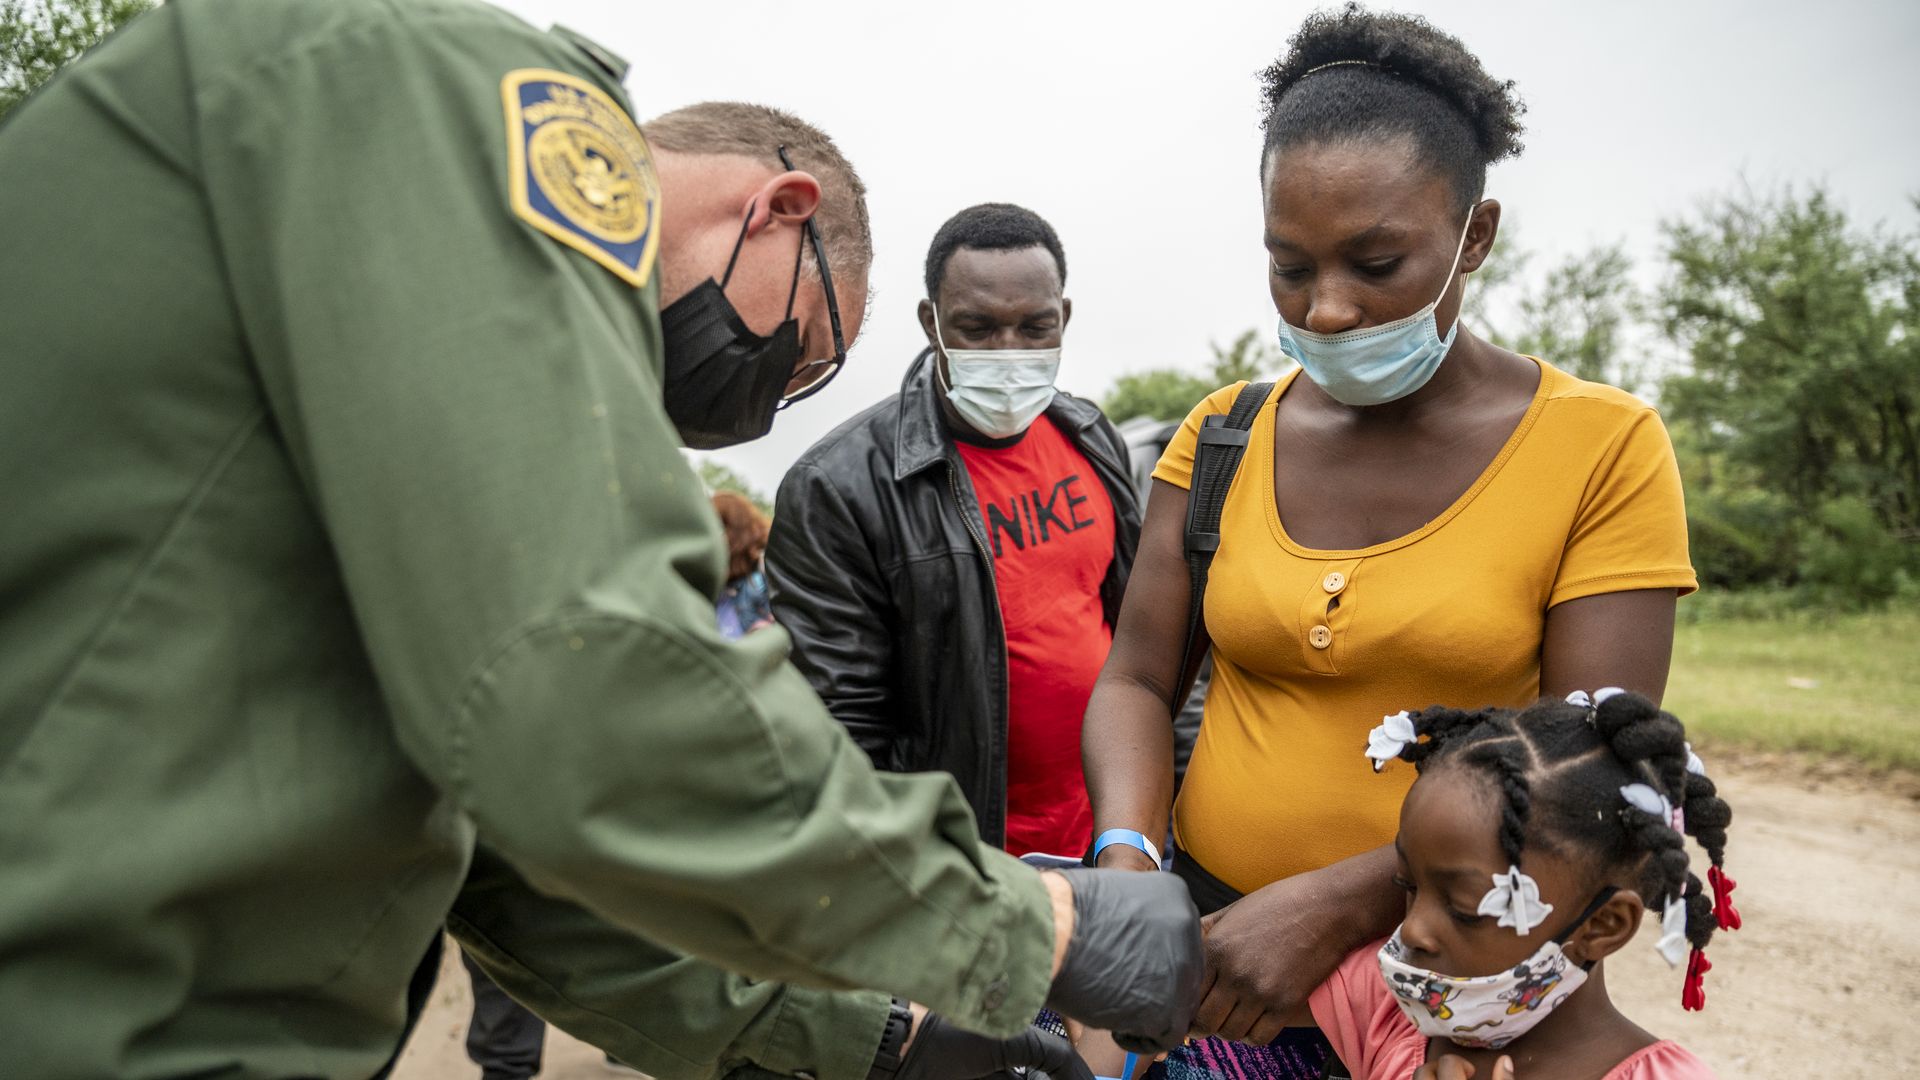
(1132,839)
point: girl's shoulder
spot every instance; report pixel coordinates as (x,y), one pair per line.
(1360,1018)
(1664,1060)
(1367,1029)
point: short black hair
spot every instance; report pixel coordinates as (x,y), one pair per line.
(1356,74)
(990,227)
(1557,770)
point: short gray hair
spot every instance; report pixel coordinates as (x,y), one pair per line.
(758,132)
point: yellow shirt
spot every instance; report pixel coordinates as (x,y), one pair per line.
(1312,648)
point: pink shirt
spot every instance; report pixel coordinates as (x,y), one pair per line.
(1378,1042)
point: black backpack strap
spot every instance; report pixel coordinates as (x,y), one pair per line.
(1216,458)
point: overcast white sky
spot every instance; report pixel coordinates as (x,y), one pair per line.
(1133,128)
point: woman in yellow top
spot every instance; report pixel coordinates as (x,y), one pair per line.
(1421,517)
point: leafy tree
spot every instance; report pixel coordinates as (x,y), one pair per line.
(1800,409)
(1577,317)
(38,38)
(718,477)
(1170,393)
(1505,267)
(1160,393)
(1251,356)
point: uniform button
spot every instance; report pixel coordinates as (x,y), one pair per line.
(996,994)
(1320,637)
(1334,582)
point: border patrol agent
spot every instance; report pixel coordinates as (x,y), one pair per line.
(345,520)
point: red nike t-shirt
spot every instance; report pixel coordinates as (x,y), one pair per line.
(1050,528)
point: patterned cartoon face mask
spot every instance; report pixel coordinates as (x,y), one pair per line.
(1487,1010)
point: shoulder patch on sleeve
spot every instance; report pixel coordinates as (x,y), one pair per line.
(579,170)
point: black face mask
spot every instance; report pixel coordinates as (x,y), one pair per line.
(723,381)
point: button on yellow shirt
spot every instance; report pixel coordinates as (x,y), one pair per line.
(1313,647)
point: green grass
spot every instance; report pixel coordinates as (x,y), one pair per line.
(1845,685)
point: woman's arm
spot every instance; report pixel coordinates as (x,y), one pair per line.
(1267,951)
(1127,740)
(1622,639)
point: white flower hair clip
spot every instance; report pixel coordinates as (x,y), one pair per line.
(1516,899)
(1694,764)
(1592,701)
(1672,945)
(1642,797)
(1389,737)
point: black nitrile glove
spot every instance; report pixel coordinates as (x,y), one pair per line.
(941,1051)
(1134,963)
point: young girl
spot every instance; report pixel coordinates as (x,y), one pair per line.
(1529,849)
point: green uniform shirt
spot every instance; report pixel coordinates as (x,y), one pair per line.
(339,516)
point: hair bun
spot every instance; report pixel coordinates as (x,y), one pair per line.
(1412,48)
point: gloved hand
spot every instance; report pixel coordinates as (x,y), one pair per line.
(1134,963)
(941,1051)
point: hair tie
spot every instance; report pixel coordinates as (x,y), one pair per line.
(1672,945)
(1339,63)
(1724,913)
(1693,996)
(1389,738)
(1643,798)
(1592,702)
(1694,764)
(1515,897)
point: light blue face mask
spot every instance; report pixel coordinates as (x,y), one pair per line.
(1376,364)
(1000,392)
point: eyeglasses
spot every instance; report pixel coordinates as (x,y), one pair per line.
(814,378)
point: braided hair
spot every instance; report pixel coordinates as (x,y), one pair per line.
(1356,74)
(1559,769)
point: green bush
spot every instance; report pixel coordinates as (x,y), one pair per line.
(1849,560)
(1741,538)
(1163,394)
(1756,556)
(1171,393)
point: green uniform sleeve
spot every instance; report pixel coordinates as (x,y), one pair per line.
(662,1012)
(475,409)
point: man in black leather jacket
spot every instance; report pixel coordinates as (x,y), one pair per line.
(932,557)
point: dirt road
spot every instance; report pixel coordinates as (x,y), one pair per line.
(1816,984)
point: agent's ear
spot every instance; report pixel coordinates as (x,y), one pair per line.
(1066,312)
(1609,929)
(1481,230)
(790,198)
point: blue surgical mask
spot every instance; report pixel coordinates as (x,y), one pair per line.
(1376,364)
